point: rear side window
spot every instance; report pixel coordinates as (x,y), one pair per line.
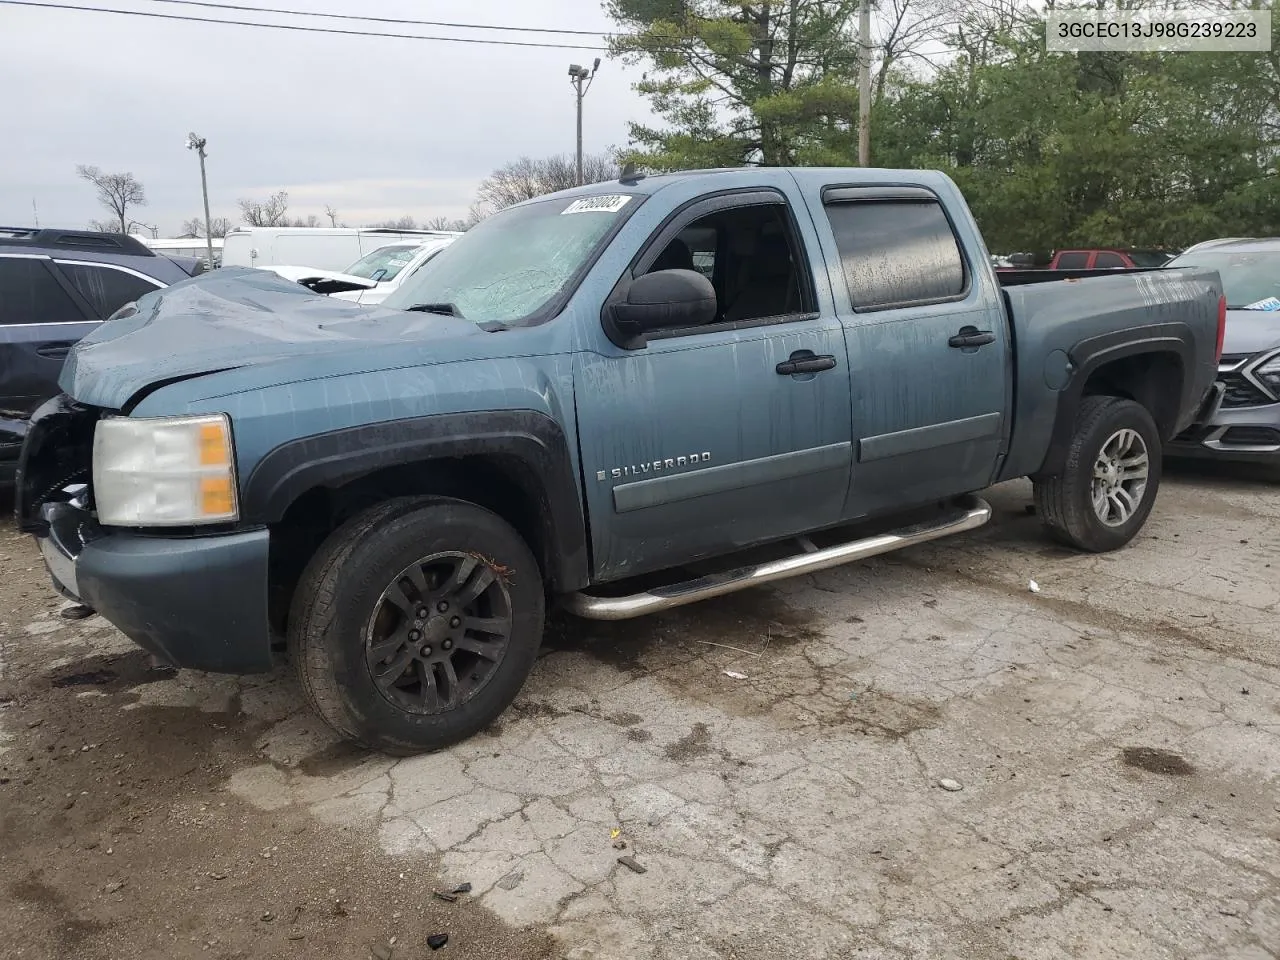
(896,252)
(1106,260)
(29,293)
(106,289)
(1073,261)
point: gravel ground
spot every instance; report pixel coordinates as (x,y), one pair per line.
(919,757)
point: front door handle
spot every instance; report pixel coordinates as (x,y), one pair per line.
(54,351)
(972,337)
(805,361)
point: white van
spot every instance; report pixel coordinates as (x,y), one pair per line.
(326,248)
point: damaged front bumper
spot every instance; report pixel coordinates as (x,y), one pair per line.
(198,601)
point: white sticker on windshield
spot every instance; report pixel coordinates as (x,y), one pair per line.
(1271,303)
(610,203)
(398,263)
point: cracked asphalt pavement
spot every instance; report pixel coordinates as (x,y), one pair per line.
(919,757)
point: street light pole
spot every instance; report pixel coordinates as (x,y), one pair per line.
(864,83)
(197,144)
(578,76)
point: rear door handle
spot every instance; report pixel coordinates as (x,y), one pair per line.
(805,361)
(55,351)
(972,337)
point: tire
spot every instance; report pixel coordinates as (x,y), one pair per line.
(358,612)
(1065,502)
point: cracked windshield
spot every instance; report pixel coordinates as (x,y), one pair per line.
(507,268)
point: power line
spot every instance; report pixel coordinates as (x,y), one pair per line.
(393,20)
(299,28)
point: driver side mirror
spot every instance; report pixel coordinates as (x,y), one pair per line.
(662,300)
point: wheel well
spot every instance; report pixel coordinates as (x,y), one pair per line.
(1152,379)
(492,481)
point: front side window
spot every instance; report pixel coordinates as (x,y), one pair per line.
(1106,260)
(1078,260)
(1250,279)
(747,254)
(896,252)
(390,260)
(29,293)
(511,267)
(106,289)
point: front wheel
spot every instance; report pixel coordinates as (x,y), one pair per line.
(416,623)
(1109,481)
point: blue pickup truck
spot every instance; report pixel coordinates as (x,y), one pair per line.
(601,398)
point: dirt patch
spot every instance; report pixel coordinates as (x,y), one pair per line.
(120,672)
(639,735)
(118,837)
(696,743)
(624,719)
(1154,760)
(892,717)
(531,709)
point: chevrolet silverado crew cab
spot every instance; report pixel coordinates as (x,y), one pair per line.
(601,397)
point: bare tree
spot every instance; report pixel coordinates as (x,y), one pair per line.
(526,178)
(266,213)
(311,220)
(117,192)
(406,222)
(447,223)
(906,29)
(332,214)
(219,227)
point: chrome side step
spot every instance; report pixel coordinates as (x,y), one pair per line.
(969,513)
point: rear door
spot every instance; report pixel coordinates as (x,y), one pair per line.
(710,438)
(41,315)
(928,346)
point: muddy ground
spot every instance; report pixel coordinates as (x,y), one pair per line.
(921,758)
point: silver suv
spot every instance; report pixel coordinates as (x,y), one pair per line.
(1247,426)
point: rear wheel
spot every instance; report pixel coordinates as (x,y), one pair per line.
(416,623)
(1109,481)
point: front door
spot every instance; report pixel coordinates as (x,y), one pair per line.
(928,348)
(705,440)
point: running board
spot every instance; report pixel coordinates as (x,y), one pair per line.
(968,514)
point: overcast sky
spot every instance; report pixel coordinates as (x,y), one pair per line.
(376,127)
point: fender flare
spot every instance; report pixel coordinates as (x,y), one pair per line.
(1092,353)
(532,439)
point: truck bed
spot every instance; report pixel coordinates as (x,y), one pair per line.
(1176,309)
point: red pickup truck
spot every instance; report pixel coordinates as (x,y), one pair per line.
(1106,259)
(1101,258)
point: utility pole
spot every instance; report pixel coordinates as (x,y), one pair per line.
(581,79)
(35,213)
(197,144)
(864,83)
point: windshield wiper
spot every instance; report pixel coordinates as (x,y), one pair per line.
(446,309)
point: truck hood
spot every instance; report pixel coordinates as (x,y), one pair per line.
(232,318)
(1251,331)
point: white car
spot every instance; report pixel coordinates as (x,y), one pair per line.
(371,278)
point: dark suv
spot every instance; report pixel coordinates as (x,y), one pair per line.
(55,287)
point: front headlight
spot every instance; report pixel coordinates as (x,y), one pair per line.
(164,471)
(1269,373)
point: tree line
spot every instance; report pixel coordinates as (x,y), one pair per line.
(1050,149)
